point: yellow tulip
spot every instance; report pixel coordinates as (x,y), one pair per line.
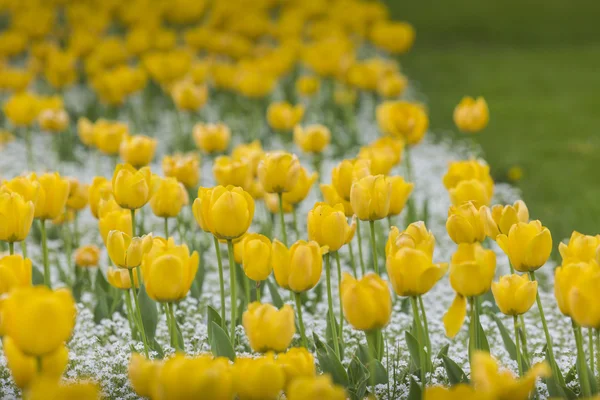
(119,278)
(87,256)
(21,109)
(137,150)
(466,224)
(514,294)
(471,115)
(132,188)
(416,236)
(400,192)
(394,145)
(16,217)
(403,119)
(527,245)
(501,218)
(307,85)
(228,171)
(52,200)
(278,172)
(212,138)
(395,37)
(370,197)
(189,96)
(366,302)
(328,226)
(251,152)
(258,378)
(226,212)
(412,272)
(495,383)
(312,138)
(184,167)
(125,251)
(382,159)
(85,131)
(476,180)
(78,195)
(283,116)
(51,389)
(108,135)
(169,197)
(331,197)
(392,85)
(168,270)
(27,186)
(38,319)
(345,96)
(461,391)
(142,374)
(118,220)
(581,248)
(301,189)
(297,362)
(272,203)
(53,121)
(582,297)
(346,172)
(100,189)
(24,368)
(318,387)
(470,190)
(256,256)
(299,267)
(15,271)
(267,328)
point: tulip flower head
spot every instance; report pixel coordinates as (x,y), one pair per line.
(87,256)
(100,189)
(117,220)
(346,173)
(299,267)
(283,116)
(228,171)
(16,217)
(142,374)
(580,248)
(53,121)
(328,226)
(366,302)
(403,119)
(466,224)
(119,278)
(416,236)
(297,362)
(527,245)
(370,197)
(278,172)
(132,188)
(501,218)
(583,295)
(469,181)
(169,197)
(125,251)
(318,387)
(312,138)
(267,328)
(471,115)
(137,150)
(212,138)
(184,167)
(514,294)
(15,271)
(307,85)
(399,194)
(412,271)
(256,256)
(331,197)
(258,378)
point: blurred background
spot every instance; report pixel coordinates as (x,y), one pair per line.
(537,63)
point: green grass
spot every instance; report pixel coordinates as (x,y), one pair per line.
(537,67)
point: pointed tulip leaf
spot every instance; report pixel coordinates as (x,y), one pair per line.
(212,316)
(220,344)
(455,373)
(149,313)
(414,392)
(277,301)
(413,348)
(443,351)
(37,278)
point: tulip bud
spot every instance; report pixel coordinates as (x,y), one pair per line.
(318,387)
(256,256)
(328,226)
(581,248)
(119,220)
(15,271)
(137,150)
(119,278)
(100,189)
(299,267)
(169,197)
(142,374)
(528,246)
(312,139)
(258,378)
(471,115)
(412,272)
(370,197)
(55,191)
(16,217)
(283,116)
(401,190)
(514,294)
(184,167)
(132,188)
(278,172)
(231,172)
(466,224)
(125,251)
(212,138)
(403,119)
(346,172)
(267,328)
(366,302)
(297,362)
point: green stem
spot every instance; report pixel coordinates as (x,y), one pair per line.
(472,328)
(247,289)
(597,332)
(140,321)
(425,324)
(336,345)
(300,320)
(67,238)
(374,247)
(295,223)
(591,349)
(24,248)
(130,315)
(372,345)
(11,248)
(133,223)
(583,372)
(29,148)
(40,364)
(166,228)
(232,289)
(415,309)
(352,261)
(258,291)
(282,219)
(339,272)
(221,282)
(175,336)
(360,252)
(523,334)
(546,331)
(76,229)
(45,253)
(518,345)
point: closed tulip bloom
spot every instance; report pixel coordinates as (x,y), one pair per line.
(527,245)
(395,145)
(188,96)
(580,248)
(346,172)
(119,278)
(416,236)
(370,197)
(228,171)
(27,186)
(297,362)
(87,256)
(329,226)
(24,368)
(52,389)
(465,224)
(212,138)
(21,109)
(125,251)
(495,383)
(85,131)
(403,119)
(16,217)
(251,152)
(118,220)
(267,328)
(412,272)
(272,203)
(470,190)
(132,188)
(53,121)
(395,37)
(583,297)
(108,136)
(169,197)
(137,150)
(283,116)
(258,378)
(184,167)
(301,189)
(38,319)
(382,159)
(100,189)
(469,170)
(392,85)
(52,200)
(15,271)
(308,85)
(169,270)
(312,138)
(299,267)
(331,197)
(226,212)
(78,195)
(471,115)
(278,172)
(366,302)
(514,294)
(142,374)
(501,218)
(318,387)
(401,190)
(256,256)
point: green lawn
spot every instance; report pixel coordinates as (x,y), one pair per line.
(537,66)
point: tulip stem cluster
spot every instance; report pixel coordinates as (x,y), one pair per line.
(221,281)
(546,331)
(352,261)
(11,248)
(374,247)
(300,319)
(45,253)
(420,336)
(583,369)
(232,289)
(140,321)
(282,219)
(334,335)
(131,316)
(172,322)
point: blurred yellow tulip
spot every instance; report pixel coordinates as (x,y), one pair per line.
(527,245)
(367,302)
(308,85)
(318,387)
(184,167)
(370,197)
(331,197)
(403,119)
(471,115)
(16,217)
(137,150)
(297,362)
(258,378)
(416,236)
(312,138)
(132,188)
(267,328)
(108,135)
(118,220)
(87,256)
(100,189)
(399,194)
(514,294)
(169,197)
(228,171)
(188,96)
(412,271)
(278,172)
(15,271)
(283,116)
(580,248)
(125,251)
(328,226)
(119,278)
(53,121)
(256,256)
(346,172)
(212,138)
(299,267)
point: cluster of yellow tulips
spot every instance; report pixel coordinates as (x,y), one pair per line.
(225,93)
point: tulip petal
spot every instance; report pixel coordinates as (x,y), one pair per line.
(454,318)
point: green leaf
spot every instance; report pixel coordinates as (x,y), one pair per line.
(413,348)
(557,391)
(330,363)
(558,376)
(329,334)
(198,282)
(509,344)
(455,373)
(443,351)
(154,345)
(381,374)
(358,377)
(414,392)
(277,301)
(425,211)
(101,310)
(212,315)
(101,282)
(220,344)
(483,342)
(149,313)
(37,278)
